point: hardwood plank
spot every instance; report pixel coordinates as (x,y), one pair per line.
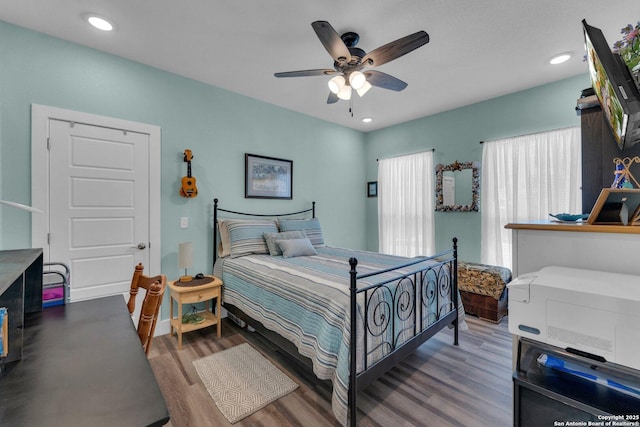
(439,384)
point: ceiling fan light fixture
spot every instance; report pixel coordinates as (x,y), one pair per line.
(364,89)
(349,61)
(336,84)
(357,79)
(345,93)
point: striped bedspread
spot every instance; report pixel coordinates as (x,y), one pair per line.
(306,300)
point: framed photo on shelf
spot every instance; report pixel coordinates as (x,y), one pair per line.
(267,177)
(616,206)
(372,189)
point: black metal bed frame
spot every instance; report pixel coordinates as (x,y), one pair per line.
(403,296)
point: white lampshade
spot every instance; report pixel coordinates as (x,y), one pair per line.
(345,93)
(336,84)
(364,89)
(185,255)
(357,80)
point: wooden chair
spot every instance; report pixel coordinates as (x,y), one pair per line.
(155,287)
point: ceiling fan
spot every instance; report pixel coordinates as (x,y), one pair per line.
(350,61)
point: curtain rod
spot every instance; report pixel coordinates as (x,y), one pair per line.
(407,154)
(531,133)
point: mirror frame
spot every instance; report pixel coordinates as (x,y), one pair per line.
(475,186)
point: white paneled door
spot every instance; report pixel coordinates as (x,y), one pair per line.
(99,203)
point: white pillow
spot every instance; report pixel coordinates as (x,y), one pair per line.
(296,247)
(224,249)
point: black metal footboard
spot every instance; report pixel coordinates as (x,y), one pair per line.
(392,312)
(396,311)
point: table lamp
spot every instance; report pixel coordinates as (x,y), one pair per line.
(185,259)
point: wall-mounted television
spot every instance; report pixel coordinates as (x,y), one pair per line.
(612,82)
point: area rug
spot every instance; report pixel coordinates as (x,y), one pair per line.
(241,381)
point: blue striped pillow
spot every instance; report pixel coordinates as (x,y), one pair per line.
(311,227)
(247,236)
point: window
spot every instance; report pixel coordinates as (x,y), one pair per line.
(406,205)
(525,179)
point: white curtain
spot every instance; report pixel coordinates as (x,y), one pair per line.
(525,179)
(406,205)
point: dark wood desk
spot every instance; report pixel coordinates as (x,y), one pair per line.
(82,365)
(20,293)
(24,265)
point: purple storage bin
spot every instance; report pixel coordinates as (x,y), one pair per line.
(53,296)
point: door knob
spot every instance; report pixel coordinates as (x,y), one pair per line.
(141,246)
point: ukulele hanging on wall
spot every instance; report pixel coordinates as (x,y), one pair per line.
(188,188)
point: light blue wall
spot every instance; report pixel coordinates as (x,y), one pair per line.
(217,125)
(331,163)
(455,135)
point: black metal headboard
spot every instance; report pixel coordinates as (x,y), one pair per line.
(216,209)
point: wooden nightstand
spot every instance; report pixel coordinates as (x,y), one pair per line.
(191,295)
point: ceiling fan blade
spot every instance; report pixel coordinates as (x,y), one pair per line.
(332,99)
(385,81)
(305,73)
(395,49)
(331,41)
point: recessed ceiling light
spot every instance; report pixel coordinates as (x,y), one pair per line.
(367,120)
(100,23)
(559,59)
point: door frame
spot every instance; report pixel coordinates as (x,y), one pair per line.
(40,116)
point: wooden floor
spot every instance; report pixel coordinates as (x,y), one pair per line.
(438,385)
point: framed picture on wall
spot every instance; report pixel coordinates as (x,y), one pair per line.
(268,177)
(372,189)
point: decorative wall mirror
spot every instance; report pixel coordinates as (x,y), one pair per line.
(458,187)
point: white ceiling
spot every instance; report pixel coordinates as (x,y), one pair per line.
(478,49)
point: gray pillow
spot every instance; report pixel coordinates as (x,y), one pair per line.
(271,238)
(296,247)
